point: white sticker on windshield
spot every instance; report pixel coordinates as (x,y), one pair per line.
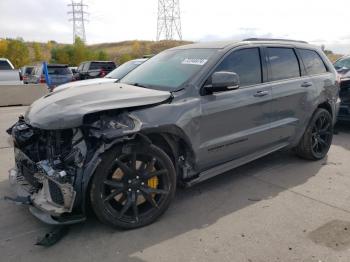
(194,61)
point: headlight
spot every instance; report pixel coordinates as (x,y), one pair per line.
(110,127)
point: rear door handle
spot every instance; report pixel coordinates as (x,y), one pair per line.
(306,84)
(261,93)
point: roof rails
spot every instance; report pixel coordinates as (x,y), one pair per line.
(274,39)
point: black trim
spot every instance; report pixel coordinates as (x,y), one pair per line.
(202,91)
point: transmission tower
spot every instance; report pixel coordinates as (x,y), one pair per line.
(78,17)
(169,22)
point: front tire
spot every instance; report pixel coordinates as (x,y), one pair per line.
(317,139)
(133,189)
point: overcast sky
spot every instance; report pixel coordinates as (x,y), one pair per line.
(319,22)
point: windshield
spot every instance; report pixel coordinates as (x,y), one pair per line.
(169,69)
(344,62)
(124,69)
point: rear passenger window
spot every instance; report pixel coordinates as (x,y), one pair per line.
(284,63)
(246,63)
(313,62)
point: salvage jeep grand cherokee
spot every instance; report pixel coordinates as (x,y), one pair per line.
(185,115)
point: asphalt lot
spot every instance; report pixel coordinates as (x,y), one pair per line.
(279,208)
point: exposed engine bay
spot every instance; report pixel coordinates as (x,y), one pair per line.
(51,164)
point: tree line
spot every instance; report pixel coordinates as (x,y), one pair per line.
(22,53)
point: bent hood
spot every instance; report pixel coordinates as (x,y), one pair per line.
(66,108)
(95,81)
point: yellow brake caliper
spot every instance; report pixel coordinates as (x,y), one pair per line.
(153,182)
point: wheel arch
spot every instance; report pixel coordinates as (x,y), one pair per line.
(171,139)
(327,106)
(175,143)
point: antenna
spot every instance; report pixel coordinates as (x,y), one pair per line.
(78,18)
(169,22)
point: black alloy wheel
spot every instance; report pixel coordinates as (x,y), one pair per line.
(132,190)
(321,135)
(317,139)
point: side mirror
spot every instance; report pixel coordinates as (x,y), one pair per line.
(223,81)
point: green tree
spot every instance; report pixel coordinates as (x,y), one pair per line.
(101,55)
(124,58)
(17,52)
(3,47)
(80,52)
(38,56)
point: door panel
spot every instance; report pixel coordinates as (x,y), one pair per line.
(289,93)
(234,124)
(290,107)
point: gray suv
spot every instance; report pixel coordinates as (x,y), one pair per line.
(185,115)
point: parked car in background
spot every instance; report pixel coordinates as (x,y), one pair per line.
(186,115)
(94,69)
(73,69)
(113,76)
(342,66)
(59,74)
(8,74)
(25,72)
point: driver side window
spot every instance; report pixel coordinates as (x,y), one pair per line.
(246,63)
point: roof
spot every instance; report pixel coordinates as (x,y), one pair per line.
(218,45)
(225,44)
(57,65)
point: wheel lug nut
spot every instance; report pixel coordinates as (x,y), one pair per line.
(129,189)
(137,177)
(138,191)
(129,181)
(142,183)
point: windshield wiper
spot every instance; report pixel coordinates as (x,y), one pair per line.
(177,90)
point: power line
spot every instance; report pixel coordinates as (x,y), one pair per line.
(78,17)
(169,20)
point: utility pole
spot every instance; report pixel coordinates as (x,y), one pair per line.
(77,16)
(169,20)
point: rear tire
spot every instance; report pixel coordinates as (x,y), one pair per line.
(131,190)
(317,139)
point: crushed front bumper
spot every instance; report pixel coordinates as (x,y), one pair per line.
(50,201)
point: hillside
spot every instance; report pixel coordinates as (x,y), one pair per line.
(126,50)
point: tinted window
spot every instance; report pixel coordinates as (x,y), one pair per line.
(102,65)
(4,65)
(59,70)
(284,63)
(28,70)
(312,61)
(246,63)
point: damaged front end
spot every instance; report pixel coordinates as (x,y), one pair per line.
(53,167)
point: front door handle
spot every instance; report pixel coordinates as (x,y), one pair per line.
(261,93)
(306,84)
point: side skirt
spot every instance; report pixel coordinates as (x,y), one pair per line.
(217,170)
